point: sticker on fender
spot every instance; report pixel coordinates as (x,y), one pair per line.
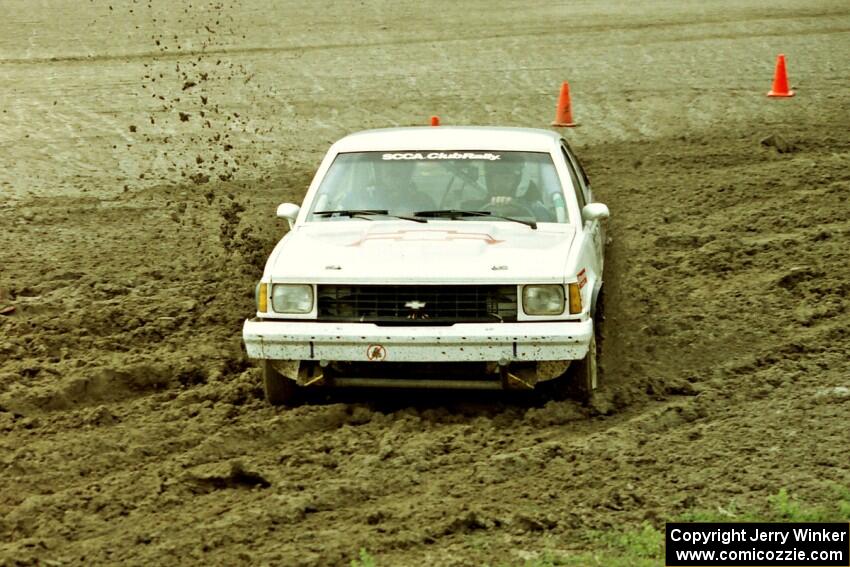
(582,278)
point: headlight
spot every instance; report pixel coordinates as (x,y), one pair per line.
(292,298)
(543,299)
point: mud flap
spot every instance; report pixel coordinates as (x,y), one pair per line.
(304,374)
(551,369)
(287,368)
(526,376)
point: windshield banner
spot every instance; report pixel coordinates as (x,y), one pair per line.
(441,155)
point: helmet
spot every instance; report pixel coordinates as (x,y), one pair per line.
(503,175)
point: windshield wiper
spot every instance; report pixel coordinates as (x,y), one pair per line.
(455,214)
(366,213)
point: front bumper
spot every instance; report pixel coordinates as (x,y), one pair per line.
(353,342)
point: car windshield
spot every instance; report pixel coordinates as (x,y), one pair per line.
(508,185)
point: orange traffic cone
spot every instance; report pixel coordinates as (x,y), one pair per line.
(564,112)
(780,79)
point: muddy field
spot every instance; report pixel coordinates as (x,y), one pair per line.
(145,145)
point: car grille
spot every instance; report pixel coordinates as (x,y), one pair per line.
(437,304)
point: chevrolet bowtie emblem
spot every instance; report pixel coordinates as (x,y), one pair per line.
(415,305)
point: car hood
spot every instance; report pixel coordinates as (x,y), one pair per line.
(436,252)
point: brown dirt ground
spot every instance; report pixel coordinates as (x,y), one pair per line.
(145,146)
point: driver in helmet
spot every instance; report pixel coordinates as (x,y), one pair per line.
(509,195)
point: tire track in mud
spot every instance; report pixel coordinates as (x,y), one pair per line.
(401,479)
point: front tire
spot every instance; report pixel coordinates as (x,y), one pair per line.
(584,375)
(280,390)
(579,381)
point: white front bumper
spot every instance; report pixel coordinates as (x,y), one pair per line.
(311,340)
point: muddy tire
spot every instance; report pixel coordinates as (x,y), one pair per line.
(582,377)
(578,382)
(584,374)
(280,390)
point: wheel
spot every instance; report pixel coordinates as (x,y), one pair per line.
(578,382)
(584,374)
(280,390)
(581,379)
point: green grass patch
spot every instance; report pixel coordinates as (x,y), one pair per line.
(637,547)
(643,545)
(781,507)
(364,559)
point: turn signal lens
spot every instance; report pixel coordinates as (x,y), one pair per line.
(262,297)
(575,298)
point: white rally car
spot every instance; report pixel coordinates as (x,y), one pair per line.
(447,257)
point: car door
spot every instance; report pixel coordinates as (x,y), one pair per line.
(593,255)
(586,196)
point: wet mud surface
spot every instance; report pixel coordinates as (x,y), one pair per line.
(145,148)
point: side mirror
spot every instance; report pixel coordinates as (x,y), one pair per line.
(288,211)
(595,212)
